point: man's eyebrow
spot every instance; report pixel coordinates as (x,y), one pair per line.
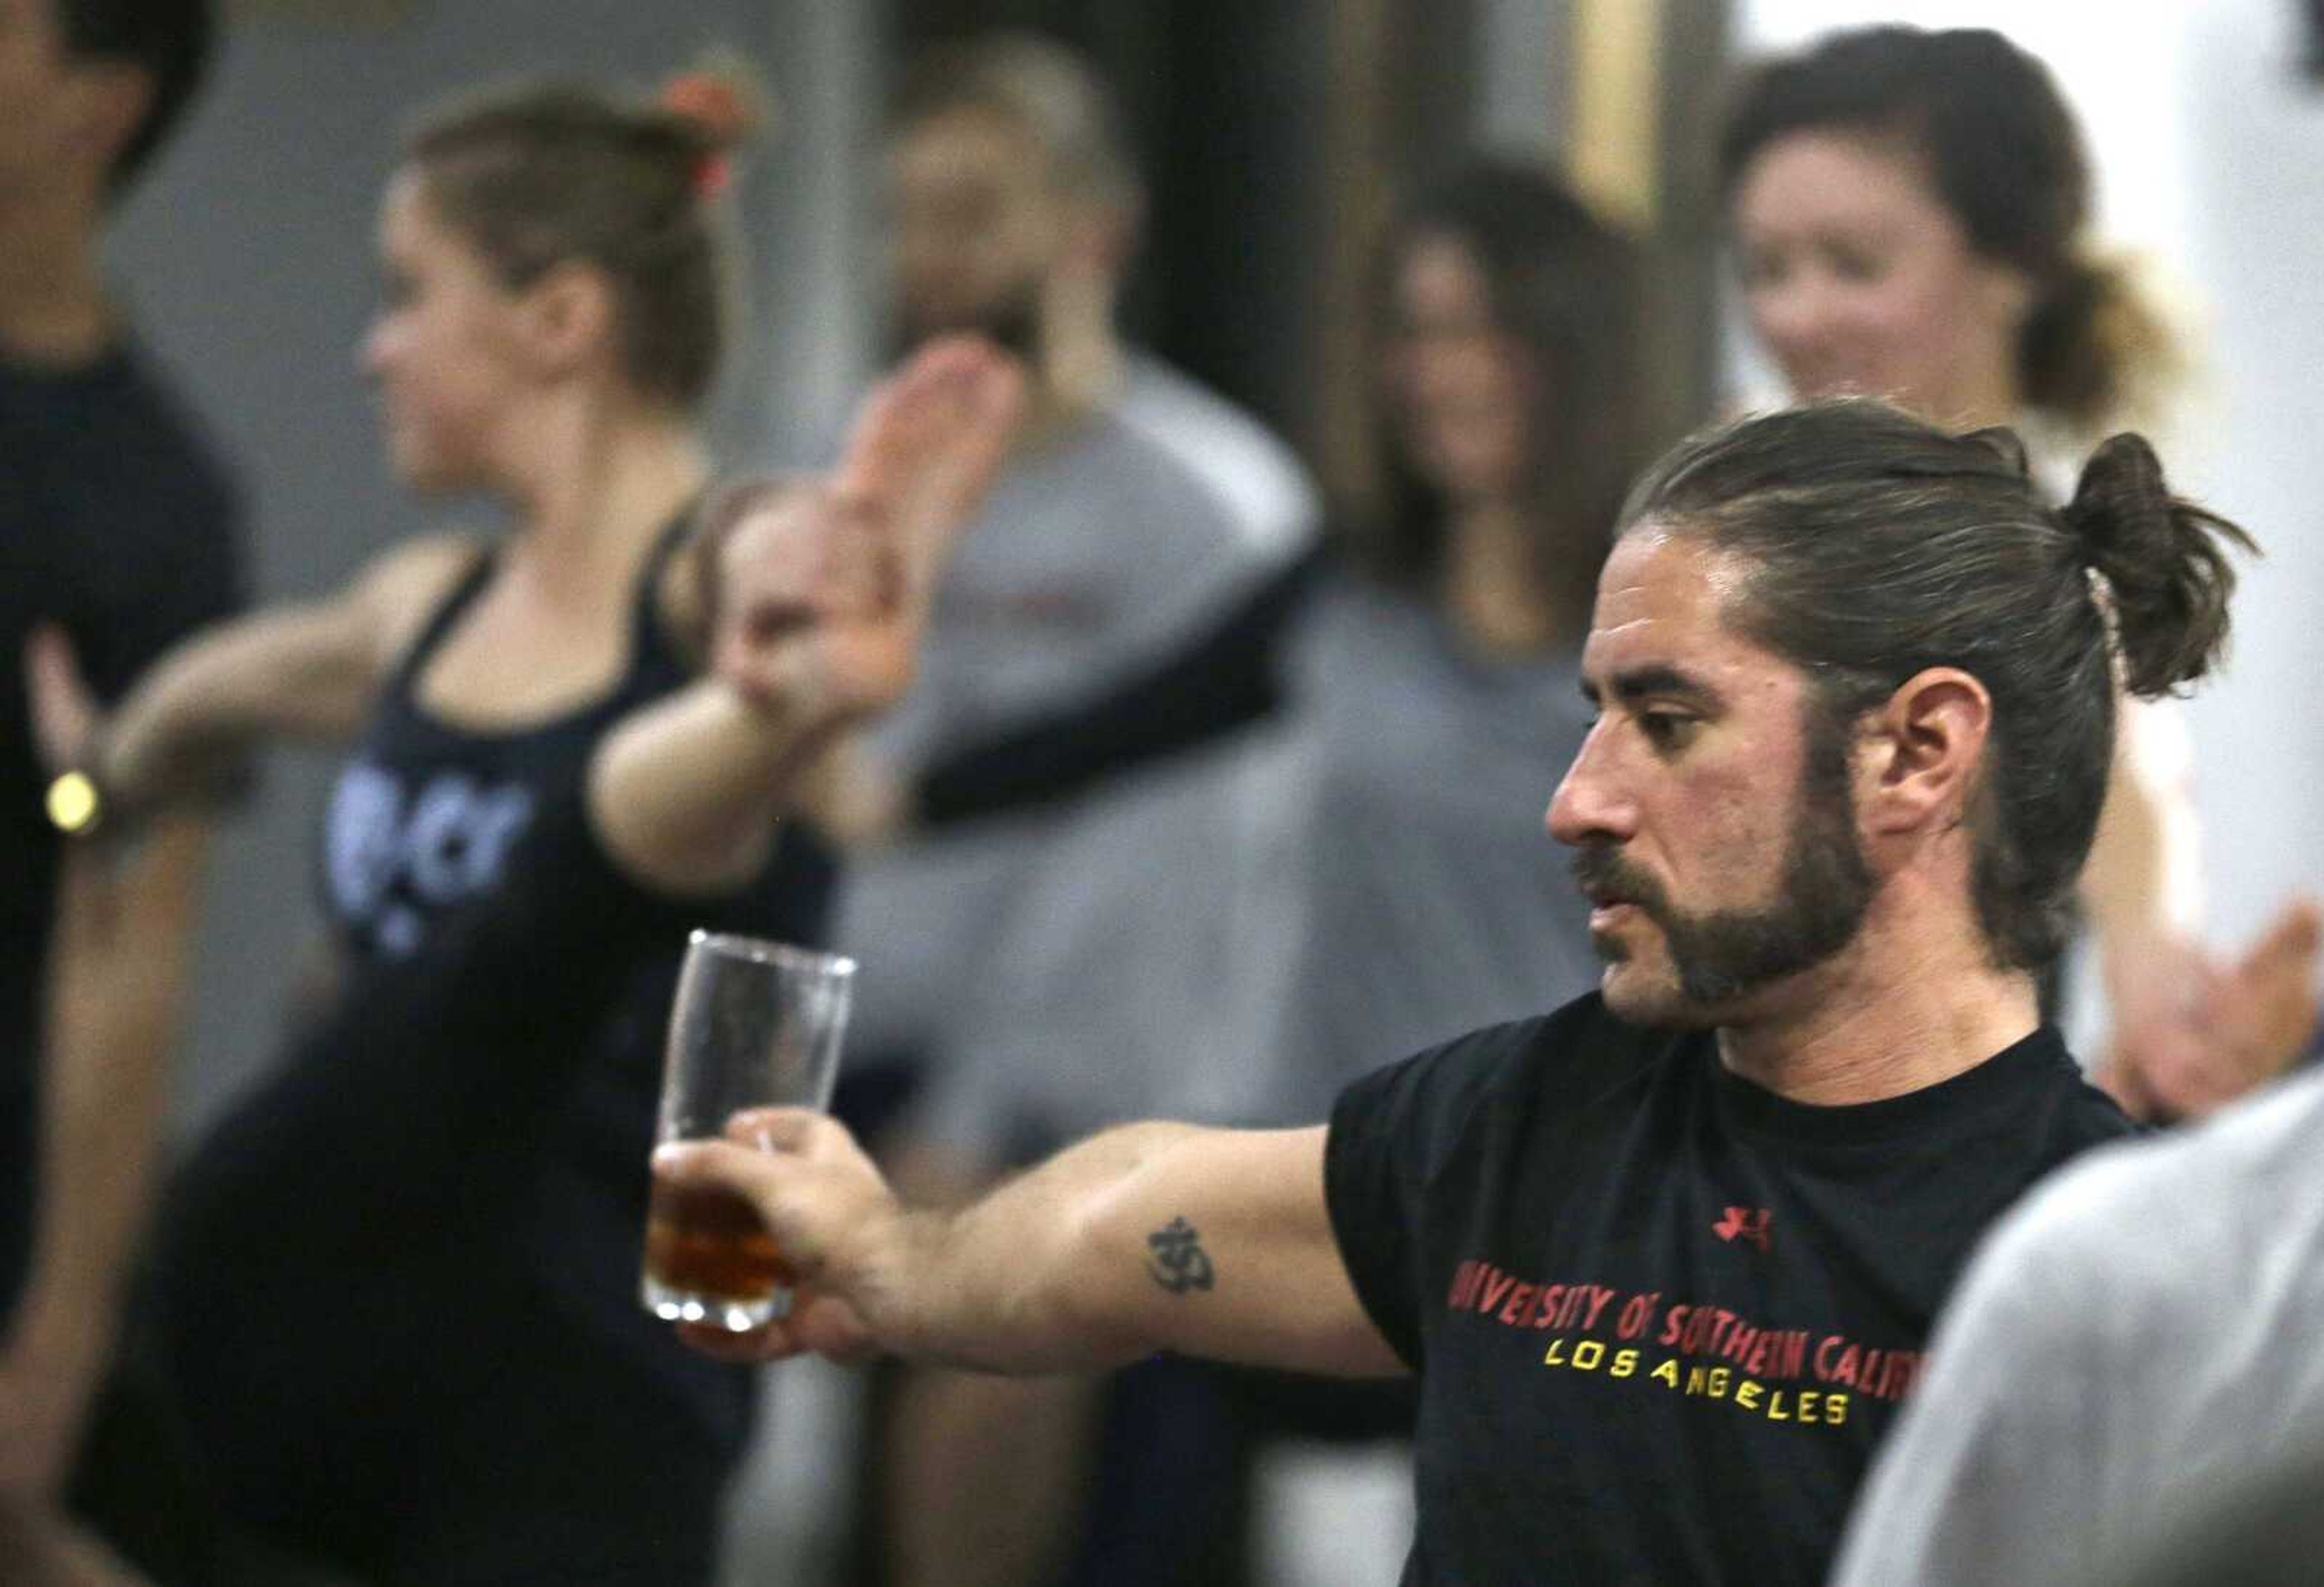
(1656,681)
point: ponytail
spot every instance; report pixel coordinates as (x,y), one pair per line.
(2160,563)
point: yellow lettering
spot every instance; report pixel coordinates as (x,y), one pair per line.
(1809,1398)
(1667,1371)
(1588,1354)
(1625,1364)
(1835,1409)
(1719,1383)
(1775,1411)
(1554,1356)
(1746,1394)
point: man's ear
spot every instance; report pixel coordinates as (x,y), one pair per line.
(569,318)
(1927,745)
(1101,237)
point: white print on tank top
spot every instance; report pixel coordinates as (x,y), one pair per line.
(392,861)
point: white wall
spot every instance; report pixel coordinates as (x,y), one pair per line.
(2209,153)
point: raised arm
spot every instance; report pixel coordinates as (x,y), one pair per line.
(1149,1237)
(823,593)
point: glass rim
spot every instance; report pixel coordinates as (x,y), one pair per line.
(779,955)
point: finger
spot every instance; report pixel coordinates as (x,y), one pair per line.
(753,1174)
(775,1129)
(64,711)
(2296,935)
(830,1328)
(774,1342)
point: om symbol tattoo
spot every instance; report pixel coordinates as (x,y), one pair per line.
(1178,1262)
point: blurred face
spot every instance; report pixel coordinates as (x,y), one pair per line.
(1859,281)
(1715,835)
(443,348)
(39,136)
(979,226)
(1459,385)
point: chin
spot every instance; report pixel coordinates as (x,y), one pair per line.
(1662,1008)
(425,473)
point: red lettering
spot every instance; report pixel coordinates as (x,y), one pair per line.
(1675,1324)
(1513,1314)
(1599,1299)
(1496,1285)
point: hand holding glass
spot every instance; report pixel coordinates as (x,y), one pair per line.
(756,1025)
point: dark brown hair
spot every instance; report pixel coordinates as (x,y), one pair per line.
(2004,155)
(1568,288)
(167,40)
(536,175)
(1878,547)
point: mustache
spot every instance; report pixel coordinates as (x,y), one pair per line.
(1604,876)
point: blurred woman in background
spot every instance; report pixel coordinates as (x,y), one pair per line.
(366,1373)
(1912,212)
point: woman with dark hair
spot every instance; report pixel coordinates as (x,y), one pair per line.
(1912,213)
(359,1366)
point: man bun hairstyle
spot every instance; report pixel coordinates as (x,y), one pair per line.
(167,40)
(2163,561)
(1877,546)
(2002,152)
(543,173)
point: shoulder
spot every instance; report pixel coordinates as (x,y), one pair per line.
(1114,466)
(398,590)
(1269,491)
(2156,1220)
(1576,1052)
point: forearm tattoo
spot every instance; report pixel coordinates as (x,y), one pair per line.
(1177,1260)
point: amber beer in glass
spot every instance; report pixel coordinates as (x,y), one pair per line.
(755,1024)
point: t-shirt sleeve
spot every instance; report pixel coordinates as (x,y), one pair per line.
(1392,1133)
(1994,1472)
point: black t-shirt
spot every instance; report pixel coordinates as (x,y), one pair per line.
(117,521)
(1661,1314)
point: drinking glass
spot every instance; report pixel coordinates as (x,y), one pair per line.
(755,1024)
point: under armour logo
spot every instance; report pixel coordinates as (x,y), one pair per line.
(1744,1222)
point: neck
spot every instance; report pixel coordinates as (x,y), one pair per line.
(593,492)
(52,302)
(1492,585)
(1080,367)
(1885,1017)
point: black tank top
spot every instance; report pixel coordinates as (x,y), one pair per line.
(423,816)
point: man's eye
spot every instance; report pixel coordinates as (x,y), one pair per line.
(1668,729)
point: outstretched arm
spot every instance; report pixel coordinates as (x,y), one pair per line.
(824,591)
(1149,1237)
(306,671)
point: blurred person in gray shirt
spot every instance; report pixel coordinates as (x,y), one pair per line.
(1049,970)
(2136,1346)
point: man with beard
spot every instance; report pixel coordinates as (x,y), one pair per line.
(1050,971)
(1665,1260)
(1136,508)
